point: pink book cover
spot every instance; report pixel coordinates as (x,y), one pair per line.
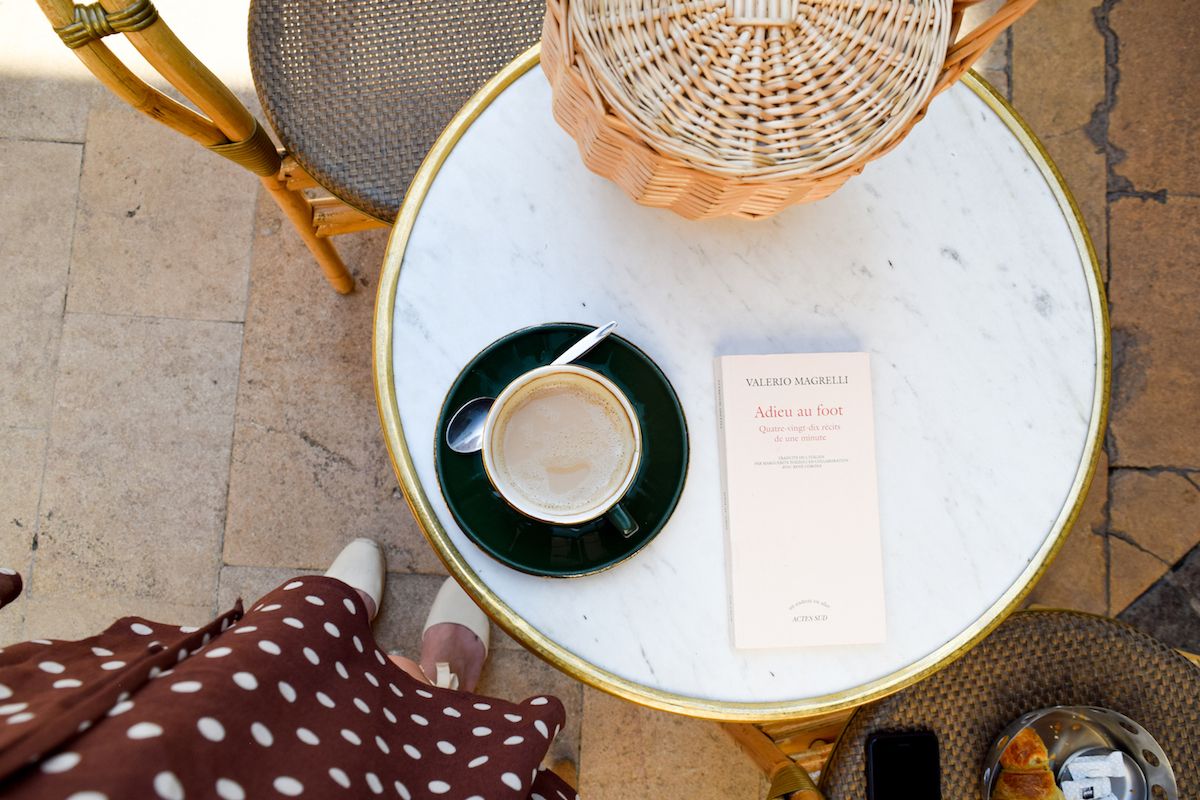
(797,437)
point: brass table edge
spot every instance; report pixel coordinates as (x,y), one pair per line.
(574,665)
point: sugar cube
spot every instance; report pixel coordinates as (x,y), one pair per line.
(1106,766)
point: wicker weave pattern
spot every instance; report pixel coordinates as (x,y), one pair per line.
(1033,660)
(744,107)
(358,90)
(610,148)
(757,88)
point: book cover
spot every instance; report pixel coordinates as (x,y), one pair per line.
(797,436)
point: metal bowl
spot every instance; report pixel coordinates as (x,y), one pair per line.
(1072,731)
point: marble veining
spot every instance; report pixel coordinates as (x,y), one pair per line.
(949,260)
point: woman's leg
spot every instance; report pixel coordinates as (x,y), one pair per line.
(451,644)
(411,667)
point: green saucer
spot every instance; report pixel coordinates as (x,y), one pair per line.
(557,551)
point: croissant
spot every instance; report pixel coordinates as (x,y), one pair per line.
(1025,770)
(1026,786)
(1025,753)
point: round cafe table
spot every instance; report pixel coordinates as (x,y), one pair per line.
(958,261)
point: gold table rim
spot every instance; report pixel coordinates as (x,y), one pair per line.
(593,675)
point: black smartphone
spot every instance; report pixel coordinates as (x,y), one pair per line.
(903,766)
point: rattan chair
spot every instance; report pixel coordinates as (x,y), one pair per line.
(223,124)
(1034,659)
(790,752)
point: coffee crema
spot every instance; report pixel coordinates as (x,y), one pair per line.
(566,445)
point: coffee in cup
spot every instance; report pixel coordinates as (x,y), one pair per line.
(562,444)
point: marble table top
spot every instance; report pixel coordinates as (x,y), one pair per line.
(956,261)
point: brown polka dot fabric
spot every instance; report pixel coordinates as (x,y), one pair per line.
(10,586)
(292,699)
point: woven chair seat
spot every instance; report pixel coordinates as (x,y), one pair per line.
(358,90)
(1034,660)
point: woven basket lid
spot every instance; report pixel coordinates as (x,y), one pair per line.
(764,88)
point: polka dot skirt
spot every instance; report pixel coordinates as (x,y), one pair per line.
(292,699)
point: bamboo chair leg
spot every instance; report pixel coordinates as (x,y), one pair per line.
(787,779)
(296,206)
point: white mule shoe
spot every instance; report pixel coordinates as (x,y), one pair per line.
(361,566)
(454,605)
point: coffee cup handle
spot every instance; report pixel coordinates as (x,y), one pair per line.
(619,518)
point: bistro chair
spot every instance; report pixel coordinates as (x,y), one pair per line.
(223,124)
(1035,659)
(791,753)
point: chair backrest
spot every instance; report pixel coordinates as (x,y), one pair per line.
(223,124)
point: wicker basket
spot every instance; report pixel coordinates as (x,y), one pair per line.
(744,107)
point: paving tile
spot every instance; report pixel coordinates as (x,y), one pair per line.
(21,459)
(1160,511)
(164,226)
(1156,120)
(51,109)
(1170,610)
(1058,65)
(518,675)
(66,614)
(993,64)
(1154,293)
(136,474)
(12,621)
(251,583)
(1058,79)
(295,499)
(1132,571)
(310,468)
(998,78)
(28,347)
(21,453)
(1078,576)
(631,751)
(502,641)
(46,89)
(39,213)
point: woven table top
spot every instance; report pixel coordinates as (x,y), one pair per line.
(1033,660)
(358,90)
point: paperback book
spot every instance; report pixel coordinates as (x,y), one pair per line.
(800,496)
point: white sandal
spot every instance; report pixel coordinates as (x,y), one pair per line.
(361,566)
(454,605)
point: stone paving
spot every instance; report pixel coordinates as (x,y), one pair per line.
(187,412)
